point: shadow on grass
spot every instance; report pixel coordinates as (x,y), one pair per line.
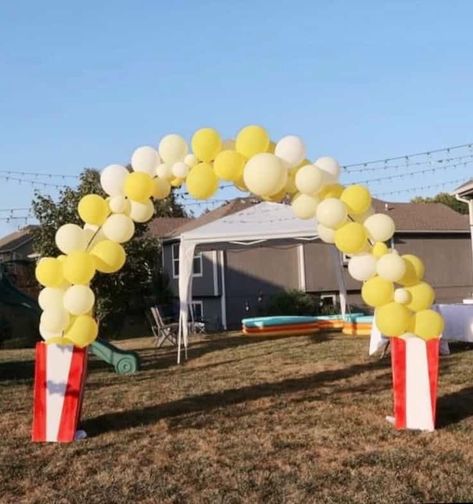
(207,402)
(455,407)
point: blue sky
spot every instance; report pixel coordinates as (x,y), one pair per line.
(84,83)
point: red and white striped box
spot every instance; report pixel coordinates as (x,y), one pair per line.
(415,366)
(60,374)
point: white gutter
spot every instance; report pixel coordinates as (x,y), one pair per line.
(469,202)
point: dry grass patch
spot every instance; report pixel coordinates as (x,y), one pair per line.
(295,419)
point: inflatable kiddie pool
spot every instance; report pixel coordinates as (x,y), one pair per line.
(280,325)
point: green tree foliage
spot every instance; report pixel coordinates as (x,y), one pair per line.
(135,285)
(446,199)
(292,302)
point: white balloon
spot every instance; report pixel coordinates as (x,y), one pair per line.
(142,212)
(332,213)
(326,234)
(70,238)
(45,334)
(79,299)
(304,206)
(291,149)
(119,204)
(264,174)
(190,160)
(112,179)
(180,169)
(55,320)
(119,228)
(172,148)
(391,267)
(362,267)
(309,179)
(50,297)
(145,159)
(94,235)
(380,227)
(402,296)
(164,171)
(329,165)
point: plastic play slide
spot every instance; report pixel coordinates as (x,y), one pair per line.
(124,362)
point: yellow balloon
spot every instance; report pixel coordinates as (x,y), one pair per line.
(161,188)
(109,256)
(59,340)
(177,182)
(379,249)
(428,324)
(415,270)
(202,183)
(276,198)
(351,238)
(252,140)
(82,331)
(422,296)
(229,164)
(377,291)
(357,198)
(240,184)
(79,268)
(393,319)
(138,186)
(49,272)
(93,209)
(206,144)
(331,191)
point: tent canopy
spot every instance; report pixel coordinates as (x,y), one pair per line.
(251,226)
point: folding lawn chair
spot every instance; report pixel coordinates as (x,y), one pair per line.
(163,331)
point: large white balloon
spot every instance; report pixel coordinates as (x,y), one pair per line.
(79,299)
(173,148)
(55,320)
(264,174)
(145,159)
(329,165)
(291,149)
(326,234)
(71,238)
(190,160)
(50,297)
(112,179)
(309,179)
(304,206)
(119,228)
(180,169)
(332,213)
(94,235)
(380,227)
(141,212)
(362,267)
(45,334)
(391,267)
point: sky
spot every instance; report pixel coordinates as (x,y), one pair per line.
(82,84)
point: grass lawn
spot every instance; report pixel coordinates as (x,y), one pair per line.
(294,419)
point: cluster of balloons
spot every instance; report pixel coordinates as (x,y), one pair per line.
(272,171)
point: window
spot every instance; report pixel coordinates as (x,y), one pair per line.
(198,310)
(196,266)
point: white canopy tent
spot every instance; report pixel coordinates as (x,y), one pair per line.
(249,227)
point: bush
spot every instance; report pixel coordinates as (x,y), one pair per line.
(292,302)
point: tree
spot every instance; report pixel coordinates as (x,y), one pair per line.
(134,286)
(445,198)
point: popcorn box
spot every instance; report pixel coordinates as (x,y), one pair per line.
(60,374)
(415,367)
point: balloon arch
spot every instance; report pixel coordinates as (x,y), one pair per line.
(392,284)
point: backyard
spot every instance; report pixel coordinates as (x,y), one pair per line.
(289,419)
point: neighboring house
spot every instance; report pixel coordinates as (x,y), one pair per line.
(17,245)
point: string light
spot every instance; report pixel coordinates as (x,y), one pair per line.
(422,188)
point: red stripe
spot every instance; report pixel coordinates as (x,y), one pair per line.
(398,362)
(433,363)
(38,431)
(72,396)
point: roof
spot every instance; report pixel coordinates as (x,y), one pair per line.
(423,217)
(465,189)
(162,226)
(13,241)
(409,217)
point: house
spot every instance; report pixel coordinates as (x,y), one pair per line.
(230,284)
(17,245)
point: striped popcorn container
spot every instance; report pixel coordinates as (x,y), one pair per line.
(415,367)
(60,373)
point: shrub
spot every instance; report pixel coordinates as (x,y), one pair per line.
(292,302)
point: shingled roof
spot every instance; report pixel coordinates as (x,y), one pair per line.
(13,241)
(163,226)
